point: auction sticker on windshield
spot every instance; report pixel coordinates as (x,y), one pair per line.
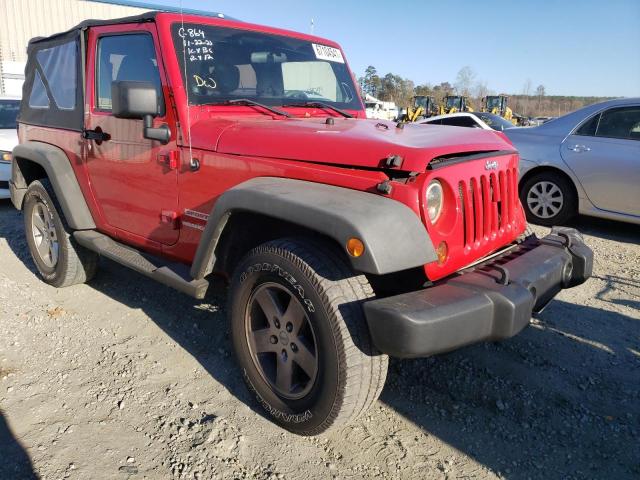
(327,53)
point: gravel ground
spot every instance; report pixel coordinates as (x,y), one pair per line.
(124,378)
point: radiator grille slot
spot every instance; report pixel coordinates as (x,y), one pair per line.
(488,204)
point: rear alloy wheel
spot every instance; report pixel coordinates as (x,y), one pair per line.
(300,335)
(58,258)
(44,235)
(548,199)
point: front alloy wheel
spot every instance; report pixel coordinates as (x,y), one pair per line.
(300,335)
(281,340)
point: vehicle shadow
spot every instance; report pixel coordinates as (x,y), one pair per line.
(619,290)
(608,229)
(196,325)
(560,400)
(15,463)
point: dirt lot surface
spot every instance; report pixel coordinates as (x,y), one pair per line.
(124,378)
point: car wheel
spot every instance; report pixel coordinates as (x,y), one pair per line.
(60,261)
(300,335)
(548,199)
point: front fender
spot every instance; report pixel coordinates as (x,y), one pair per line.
(395,238)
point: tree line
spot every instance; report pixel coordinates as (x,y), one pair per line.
(529,102)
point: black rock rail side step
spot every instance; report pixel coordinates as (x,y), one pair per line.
(175,275)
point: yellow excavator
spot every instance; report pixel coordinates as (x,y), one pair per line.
(423,106)
(497,104)
(455,103)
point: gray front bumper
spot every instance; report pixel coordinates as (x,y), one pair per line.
(494,301)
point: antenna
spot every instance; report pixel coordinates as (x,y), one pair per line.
(312,26)
(186,85)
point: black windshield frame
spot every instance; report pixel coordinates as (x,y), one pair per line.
(258,56)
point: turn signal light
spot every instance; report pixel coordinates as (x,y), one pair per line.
(442,251)
(355,247)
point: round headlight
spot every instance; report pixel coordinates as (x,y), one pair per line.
(434,200)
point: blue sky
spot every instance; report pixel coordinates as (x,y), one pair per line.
(572,47)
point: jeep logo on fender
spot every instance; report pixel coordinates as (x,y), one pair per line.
(491,165)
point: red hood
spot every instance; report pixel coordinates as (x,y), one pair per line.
(351,142)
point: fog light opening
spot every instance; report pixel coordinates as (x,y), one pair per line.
(355,247)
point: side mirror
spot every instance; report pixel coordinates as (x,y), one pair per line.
(139,100)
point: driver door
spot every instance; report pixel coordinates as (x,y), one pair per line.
(131,177)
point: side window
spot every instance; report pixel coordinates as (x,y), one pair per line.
(589,127)
(448,121)
(38,97)
(125,57)
(622,122)
(58,68)
(459,122)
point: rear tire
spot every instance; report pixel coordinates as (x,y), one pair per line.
(295,312)
(60,261)
(548,199)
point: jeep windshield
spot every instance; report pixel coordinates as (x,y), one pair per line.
(219,64)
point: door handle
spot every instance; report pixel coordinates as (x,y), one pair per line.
(579,148)
(96,135)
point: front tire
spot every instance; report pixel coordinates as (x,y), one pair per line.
(60,261)
(301,338)
(548,199)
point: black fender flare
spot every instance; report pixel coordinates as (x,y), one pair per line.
(395,238)
(57,166)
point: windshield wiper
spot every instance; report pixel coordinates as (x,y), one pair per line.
(321,105)
(246,101)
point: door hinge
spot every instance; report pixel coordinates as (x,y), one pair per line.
(171,159)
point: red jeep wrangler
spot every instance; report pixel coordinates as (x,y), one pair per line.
(185,146)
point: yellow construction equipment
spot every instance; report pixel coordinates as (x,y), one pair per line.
(497,104)
(455,103)
(424,106)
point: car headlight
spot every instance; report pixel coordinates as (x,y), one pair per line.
(5,157)
(434,200)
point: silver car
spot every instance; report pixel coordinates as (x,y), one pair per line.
(587,162)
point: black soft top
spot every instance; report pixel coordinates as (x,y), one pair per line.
(53,90)
(73,31)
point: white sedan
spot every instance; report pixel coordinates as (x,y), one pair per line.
(484,120)
(9,108)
